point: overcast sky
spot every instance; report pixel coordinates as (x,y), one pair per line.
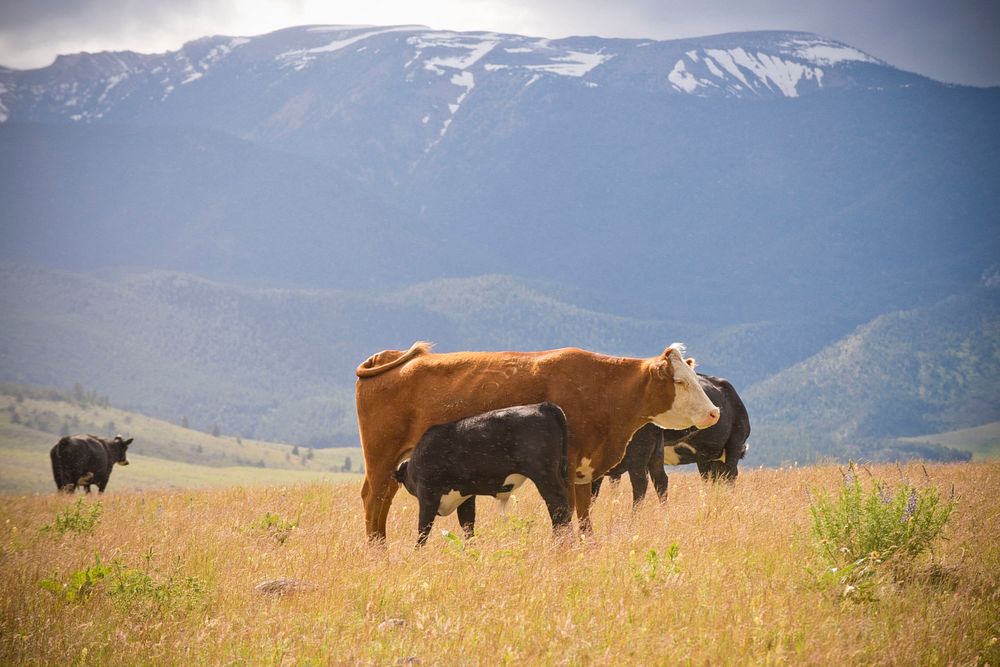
(949,40)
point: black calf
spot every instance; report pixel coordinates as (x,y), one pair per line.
(490,454)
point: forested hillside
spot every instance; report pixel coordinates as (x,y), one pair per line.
(279,363)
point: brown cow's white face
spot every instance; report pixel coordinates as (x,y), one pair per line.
(691,406)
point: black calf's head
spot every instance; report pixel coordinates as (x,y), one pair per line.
(399,474)
(121,447)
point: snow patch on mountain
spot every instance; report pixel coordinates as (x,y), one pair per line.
(299,59)
(574,63)
(683,79)
(736,70)
(4,112)
(823,52)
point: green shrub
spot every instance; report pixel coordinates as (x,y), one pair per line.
(77,518)
(864,526)
(275,526)
(655,566)
(128,587)
(81,584)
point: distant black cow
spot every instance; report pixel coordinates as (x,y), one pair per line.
(717,450)
(490,454)
(82,460)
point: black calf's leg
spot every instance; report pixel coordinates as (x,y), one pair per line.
(467,517)
(639,485)
(595,486)
(428,510)
(556,496)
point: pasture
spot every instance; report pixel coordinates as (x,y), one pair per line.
(721,575)
(164,455)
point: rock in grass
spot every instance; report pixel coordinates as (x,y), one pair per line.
(282,586)
(390,623)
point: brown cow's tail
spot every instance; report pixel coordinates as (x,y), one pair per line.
(388,359)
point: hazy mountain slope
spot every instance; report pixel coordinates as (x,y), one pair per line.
(906,373)
(278,364)
(337,156)
(79,198)
(982,441)
(275,363)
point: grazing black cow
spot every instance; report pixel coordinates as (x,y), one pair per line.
(644,454)
(82,460)
(490,454)
(716,450)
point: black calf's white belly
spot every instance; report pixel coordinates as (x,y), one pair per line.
(451,500)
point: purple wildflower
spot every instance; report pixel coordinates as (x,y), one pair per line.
(849,477)
(911,504)
(884,495)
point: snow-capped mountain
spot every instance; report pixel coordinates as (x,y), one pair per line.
(90,87)
(798,166)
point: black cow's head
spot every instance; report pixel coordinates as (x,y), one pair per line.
(121,446)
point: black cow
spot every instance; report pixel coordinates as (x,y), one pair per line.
(716,450)
(644,454)
(82,460)
(490,454)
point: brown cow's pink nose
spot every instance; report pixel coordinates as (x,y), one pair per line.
(713,418)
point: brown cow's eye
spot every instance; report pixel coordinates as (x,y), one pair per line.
(682,383)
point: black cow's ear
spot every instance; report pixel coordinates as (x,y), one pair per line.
(128,442)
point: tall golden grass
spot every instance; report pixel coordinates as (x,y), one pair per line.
(741,586)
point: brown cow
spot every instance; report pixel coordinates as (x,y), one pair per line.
(606,399)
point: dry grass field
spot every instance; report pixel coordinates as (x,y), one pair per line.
(720,575)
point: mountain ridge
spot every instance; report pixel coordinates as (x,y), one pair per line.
(484,191)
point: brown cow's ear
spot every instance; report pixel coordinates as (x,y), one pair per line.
(661,370)
(691,362)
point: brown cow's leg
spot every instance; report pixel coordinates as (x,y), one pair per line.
(581,495)
(390,491)
(372,493)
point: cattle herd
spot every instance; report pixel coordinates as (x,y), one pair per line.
(449,427)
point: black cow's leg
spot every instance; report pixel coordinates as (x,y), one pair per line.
(639,485)
(467,517)
(659,477)
(655,467)
(595,486)
(713,470)
(428,510)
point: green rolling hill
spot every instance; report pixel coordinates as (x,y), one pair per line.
(163,455)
